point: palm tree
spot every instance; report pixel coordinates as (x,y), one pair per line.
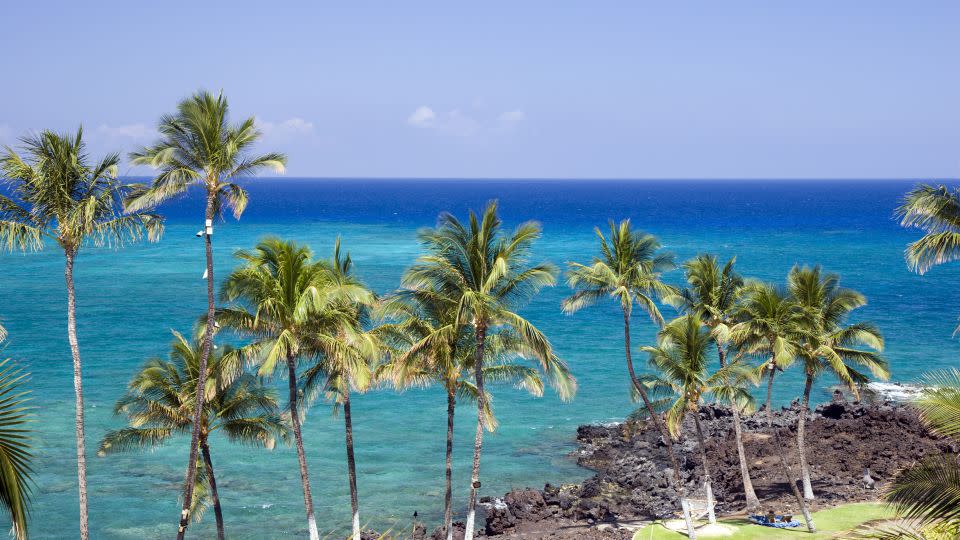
(428,353)
(57,194)
(629,271)
(15,449)
(280,298)
(712,294)
(487,271)
(159,404)
(199,145)
(347,366)
(680,363)
(829,344)
(768,326)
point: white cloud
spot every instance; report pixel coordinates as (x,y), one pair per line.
(289,127)
(460,124)
(422,117)
(510,119)
(127,131)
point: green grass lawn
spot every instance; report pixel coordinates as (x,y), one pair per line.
(829,523)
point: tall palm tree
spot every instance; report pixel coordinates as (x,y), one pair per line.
(711,293)
(349,365)
(679,361)
(199,145)
(768,326)
(828,344)
(428,354)
(58,194)
(159,404)
(629,271)
(16,454)
(279,297)
(487,271)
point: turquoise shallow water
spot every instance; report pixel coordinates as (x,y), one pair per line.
(129,299)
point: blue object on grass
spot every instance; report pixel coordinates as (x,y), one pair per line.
(778,523)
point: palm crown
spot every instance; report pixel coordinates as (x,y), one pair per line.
(160,400)
(486,273)
(826,341)
(629,270)
(58,194)
(198,144)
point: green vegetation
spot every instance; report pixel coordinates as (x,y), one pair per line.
(198,145)
(57,194)
(159,404)
(486,271)
(830,523)
(16,452)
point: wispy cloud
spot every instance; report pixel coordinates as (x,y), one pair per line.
(460,124)
(135,132)
(289,127)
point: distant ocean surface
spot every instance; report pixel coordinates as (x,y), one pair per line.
(129,300)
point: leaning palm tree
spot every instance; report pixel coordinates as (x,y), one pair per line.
(828,344)
(58,195)
(768,326)
(629,271)
(159,405)
(349,364)
(712,293)
(279,297)
(487,271)
(426,354)
(199,145)
(15,449)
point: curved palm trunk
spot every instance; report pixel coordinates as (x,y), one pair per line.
(78,389)
(301,456)
(787,472)
(212,480)
(191,475)
(481,332)
(752,501)
(448,494)
(707,481)
(351,462)
(664,434)
(801,442)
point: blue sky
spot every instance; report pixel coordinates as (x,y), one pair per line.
(813,89)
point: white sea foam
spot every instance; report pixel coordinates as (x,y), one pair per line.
(895,391)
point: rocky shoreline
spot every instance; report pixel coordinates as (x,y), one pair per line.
(631,485)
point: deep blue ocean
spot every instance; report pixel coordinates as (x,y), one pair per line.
(128,301)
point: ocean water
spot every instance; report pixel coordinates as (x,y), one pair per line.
(129,300)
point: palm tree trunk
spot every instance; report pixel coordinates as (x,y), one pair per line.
(78,389)
(664,434)
(783,458)
(201,378)
(212,480)
(481,334)
(351,462)
(752,501)
(801,442)
(301,456)
(448,494)
(707,481)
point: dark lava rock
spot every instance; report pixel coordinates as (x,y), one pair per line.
(633,474)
